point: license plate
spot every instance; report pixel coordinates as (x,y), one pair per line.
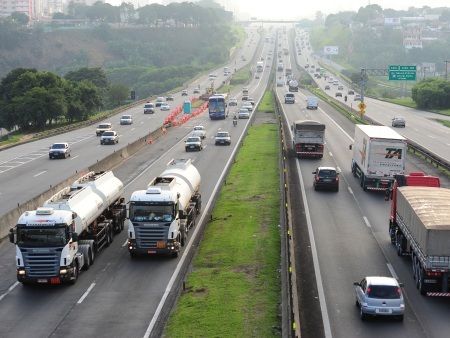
(151,251)
(161,244)
(327,180)
(383,310)
(191,146)
(42,280)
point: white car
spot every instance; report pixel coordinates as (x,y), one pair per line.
(126,119)
(280,82)
(165,106)
(233,102)
(200,131)
(59,150)
(222,137)
(243,113)
(193,143)
(248,106)
(109,137)
(102,127)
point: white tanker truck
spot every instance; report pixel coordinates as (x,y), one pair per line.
(54,242)
(161,216)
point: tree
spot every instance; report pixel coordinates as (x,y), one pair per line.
(432,94)
(96,75)
(118,93)
(20,18)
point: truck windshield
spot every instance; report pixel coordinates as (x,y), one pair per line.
(41,237)
(154,213)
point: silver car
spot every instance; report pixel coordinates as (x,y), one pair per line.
(398,121)
(379,296)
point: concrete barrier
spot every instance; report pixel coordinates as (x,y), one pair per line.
(9,219)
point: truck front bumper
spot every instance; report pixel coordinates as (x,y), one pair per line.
(169,249)
(52,280)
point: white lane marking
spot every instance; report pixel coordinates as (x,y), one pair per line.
(74,157)
(366,220)
(86,293)
(315,256)
(39,174)
(9,290)
(330,153)
(431,136)
(391,270)
(125,243)
(350,190)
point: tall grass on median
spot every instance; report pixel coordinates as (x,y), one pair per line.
(267,103)
(234,287)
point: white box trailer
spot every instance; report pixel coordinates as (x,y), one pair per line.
(378,154)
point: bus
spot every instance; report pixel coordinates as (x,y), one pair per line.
(259,66)
(217,106)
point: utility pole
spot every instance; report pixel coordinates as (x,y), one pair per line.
(446,70)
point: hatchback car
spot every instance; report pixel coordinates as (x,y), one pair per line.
(222,137)
(326,177)
(126,119)
(398,121)
(379,296)
(200,131)
(61,150)
(165,106)
(243,113)
(109,137)
(193,143)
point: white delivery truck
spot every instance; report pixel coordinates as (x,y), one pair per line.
(378,154)
(54,242)
(161,215)
(312,102)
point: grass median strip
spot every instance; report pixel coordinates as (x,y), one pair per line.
(234,287)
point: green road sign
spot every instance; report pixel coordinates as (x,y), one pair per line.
(398,72)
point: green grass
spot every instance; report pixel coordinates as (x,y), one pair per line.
(242,76)
(403,101)
(234,287)
(12,138)
(267,103)
(444,122)
(442,111)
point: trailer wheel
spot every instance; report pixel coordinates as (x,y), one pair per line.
(354,170)
(88,260)
(420,285)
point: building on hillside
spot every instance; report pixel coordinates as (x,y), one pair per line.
(7,7)
(412,36)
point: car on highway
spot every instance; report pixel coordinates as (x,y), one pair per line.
(233,102)
(379,296)
(196,91)
(126,119)
(340,87)
(326,177)
(200,131)
(159,101)
(222,137)
(102,127)
(350,92)
(244,97)
(247,105)
(398,121)
(149,108)
(257,77)
(243,113)
(193,143)
(327,87)
(357,97)
(338,94)
(335,83)
(169,98)
(184,92)
(59,150)
(165,107)
(280,82)
(251,101)
(109,137)
(289,98)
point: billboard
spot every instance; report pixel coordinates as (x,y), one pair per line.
(412,37)
(331,50)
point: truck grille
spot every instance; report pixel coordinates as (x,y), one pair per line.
(147,236)
(41,262)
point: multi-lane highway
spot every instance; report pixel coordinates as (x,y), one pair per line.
(350,232)
(421,126)
(119,297)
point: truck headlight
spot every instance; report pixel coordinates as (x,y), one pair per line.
(21,272)
(62,271)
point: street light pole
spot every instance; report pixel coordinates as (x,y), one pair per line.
(446,70)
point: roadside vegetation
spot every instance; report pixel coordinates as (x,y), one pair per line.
(234,287)
(267,103)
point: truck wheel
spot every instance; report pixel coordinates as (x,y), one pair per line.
(354,170)
(75,274)
(88,260)
(420,284)
(362,315)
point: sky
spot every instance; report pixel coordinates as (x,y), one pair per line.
(296,9)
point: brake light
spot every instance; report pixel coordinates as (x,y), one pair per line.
(399,291)
(368,290)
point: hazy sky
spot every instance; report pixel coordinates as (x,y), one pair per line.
(295,9)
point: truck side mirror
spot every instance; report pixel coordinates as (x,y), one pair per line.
(350,147)
(74,237)
(11,236)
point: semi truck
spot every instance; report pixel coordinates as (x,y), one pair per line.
(308,138)
(419,228)
(378,154)
(161,216)
(55,241)
(293,86)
